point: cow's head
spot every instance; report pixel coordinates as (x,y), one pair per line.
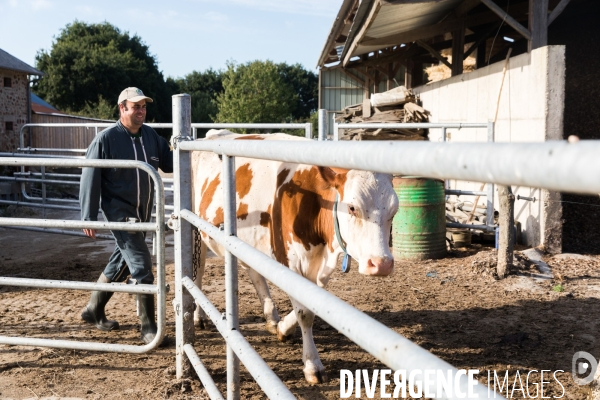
(367,204)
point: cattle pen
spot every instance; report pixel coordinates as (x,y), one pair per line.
(436,160)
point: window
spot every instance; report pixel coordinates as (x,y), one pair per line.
(9,126)
(7,82)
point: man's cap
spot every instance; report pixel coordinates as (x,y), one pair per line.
(134,95)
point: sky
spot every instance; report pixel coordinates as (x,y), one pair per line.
(183,35)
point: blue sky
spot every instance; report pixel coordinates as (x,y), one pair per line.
(184,35)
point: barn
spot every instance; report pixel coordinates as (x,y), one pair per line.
(376,45)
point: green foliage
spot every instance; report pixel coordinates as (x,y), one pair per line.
(305,84)
(255,92)
(103,109)
(203,87)
(90,64)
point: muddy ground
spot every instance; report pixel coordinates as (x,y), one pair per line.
(453,307)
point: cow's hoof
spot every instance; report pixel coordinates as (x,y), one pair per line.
(281,336)
(272,328)
(315,378)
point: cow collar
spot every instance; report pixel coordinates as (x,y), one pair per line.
(347,259)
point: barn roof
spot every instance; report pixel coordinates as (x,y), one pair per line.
(11,62)
(365,27)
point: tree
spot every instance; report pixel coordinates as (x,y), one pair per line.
(203,87)
(90,64)
(306,86)
(255,92)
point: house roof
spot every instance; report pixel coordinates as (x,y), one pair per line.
(11,62)
(40,106)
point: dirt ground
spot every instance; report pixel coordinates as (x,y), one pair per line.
(453,307)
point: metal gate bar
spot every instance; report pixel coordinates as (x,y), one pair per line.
(159,289)
(391,348)
(268,381)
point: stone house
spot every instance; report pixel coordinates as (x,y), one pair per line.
(15,99)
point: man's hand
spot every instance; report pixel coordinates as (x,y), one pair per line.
(90,233)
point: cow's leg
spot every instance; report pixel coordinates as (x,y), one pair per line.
(200,317)
(262,290)
(286,327)
(314,372)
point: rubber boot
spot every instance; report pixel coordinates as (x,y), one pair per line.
(94,311)
(147,318)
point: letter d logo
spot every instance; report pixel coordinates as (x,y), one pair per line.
(580,367)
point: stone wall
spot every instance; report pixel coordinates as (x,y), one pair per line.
(13,108)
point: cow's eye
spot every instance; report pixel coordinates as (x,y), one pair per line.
(351,209)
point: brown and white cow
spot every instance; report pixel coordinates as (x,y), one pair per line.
(285,211)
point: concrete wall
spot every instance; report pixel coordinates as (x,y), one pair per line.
(531,109)
(13,108)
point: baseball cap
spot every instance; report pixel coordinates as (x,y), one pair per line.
(133,94)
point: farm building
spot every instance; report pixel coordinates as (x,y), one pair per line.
(19,106)
(546,93)
(15,110)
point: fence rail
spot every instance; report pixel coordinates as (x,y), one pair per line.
(159,289)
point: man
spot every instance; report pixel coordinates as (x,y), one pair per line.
(124,195)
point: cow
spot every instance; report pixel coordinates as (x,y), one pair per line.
(285,210)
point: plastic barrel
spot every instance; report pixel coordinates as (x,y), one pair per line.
(419,226)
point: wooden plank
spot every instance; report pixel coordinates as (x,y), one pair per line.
(538,23)
(560,7)
(363,30)
(508,19)
(434,53)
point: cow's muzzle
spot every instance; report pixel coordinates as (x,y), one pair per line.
(380,266)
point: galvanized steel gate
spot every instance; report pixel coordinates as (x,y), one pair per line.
(552,165)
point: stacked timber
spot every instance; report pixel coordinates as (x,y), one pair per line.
(394,106)
(462,212)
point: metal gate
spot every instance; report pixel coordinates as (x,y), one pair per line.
(159,228)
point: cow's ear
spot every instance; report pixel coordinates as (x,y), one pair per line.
(334,178)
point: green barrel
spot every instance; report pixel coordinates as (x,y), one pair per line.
(419,226)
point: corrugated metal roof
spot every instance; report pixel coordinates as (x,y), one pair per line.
(380,20)
(11,62)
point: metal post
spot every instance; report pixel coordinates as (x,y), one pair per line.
(194,133)
(182,195)
(336,131)
(308,130)
(231,275)
(489,220)
(445,139)
(322,124)
(44,191)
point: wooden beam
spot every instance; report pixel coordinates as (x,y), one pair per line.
(481,39)
(366,25)
(538,23)
(458,50)
(399,56)
(465,7)
(443,27)
(557,10)
(509,20)
(434,53)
